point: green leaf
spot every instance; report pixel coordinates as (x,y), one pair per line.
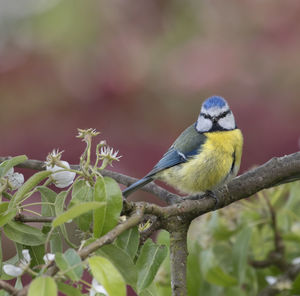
(207,260)
(98,217)
(1,253)
(47,196)
(19,284)
(151,291)
(240,253)
(129,241)
(163,238)
(296,286)
(108,216)
(217,276)
(6,214)
(106,274)
(42,286)
(82,192)
(36,253)
(6,165)
(76,211)
(122,261)
(70,264)
(56,242)
(59,210)
(3,206)
(24,234)
(194,276)
(68,290)
(148,263)
(27,186)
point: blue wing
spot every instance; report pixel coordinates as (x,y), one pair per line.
(171,158)
(185,147)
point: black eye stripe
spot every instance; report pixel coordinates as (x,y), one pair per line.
(222,115)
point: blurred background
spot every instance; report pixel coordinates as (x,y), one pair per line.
(138,72)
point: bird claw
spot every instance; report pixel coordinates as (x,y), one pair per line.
(213,195)
(194,197)
(208,193)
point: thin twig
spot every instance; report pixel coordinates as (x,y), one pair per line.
(276,256)
(8,288)
(160,192)
(113,234)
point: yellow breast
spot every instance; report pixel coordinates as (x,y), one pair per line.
(217,162)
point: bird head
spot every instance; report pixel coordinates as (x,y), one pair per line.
(215,115)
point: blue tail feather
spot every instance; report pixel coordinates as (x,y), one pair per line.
(133,187)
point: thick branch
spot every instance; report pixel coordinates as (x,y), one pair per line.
(277,170)
(178,257)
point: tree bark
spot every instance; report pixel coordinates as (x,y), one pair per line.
(178,258)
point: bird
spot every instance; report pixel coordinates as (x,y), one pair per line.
(204,157)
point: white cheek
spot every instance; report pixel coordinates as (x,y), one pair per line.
(203,124)
(227,122)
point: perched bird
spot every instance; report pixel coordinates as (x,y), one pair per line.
(205,156)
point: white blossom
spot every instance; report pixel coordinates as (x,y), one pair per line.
(12,270)
(296,260)
(26,257)
(271,280)
(109,154)
(49,257)
(62,178)
(97,288)
(15,180)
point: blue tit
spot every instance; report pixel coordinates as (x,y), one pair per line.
(205,156)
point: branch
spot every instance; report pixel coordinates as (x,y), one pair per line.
(178,256)
(38,219)
(113,234)
(8,288)
(155,225)
(104,240)
(277,170)
(160,192)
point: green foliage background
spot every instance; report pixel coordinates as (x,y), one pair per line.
(222,244)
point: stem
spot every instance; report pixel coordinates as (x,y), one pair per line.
(178,259)
(37,203)
(32,212)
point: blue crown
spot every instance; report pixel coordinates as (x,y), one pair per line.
(214,101)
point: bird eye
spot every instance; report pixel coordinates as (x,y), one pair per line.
(206,116)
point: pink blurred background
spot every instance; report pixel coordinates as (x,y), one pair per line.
(138,72)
